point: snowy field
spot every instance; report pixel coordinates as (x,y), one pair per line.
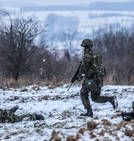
(62,110)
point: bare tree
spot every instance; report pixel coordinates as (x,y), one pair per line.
(17,46)
(117,49)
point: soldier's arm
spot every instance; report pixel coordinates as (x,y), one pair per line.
(86,62)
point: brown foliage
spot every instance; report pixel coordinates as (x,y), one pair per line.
(81,130)
(92,135)
(121,124)
(106,122)
(129,132)
(71,138)
(91,125)
(102,132)
(55,136)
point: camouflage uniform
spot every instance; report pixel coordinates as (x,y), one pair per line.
(93,71)
(9,116)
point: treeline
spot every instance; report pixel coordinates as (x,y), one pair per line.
(117,47)
(22,59)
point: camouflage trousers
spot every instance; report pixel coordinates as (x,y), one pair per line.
(93,86)
(7,116)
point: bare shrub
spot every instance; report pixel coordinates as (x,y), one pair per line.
(71,138)
(82,130)
(129,132)
(55,136)
(91,125)
(118,51)
(17,49)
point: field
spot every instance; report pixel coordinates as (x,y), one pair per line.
(62,110)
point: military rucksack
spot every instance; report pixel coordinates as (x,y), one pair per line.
(99,68)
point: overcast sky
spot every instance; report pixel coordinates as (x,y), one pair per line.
(21,3)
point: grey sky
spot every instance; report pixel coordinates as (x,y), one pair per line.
(21,3)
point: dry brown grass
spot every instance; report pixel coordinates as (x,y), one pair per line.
(101,133)
(114,79)
(11,83)
(110,79)
(82,130)
(92,135)
(106,122)
(71,138)
(121,124)
(129,132)
(54,136)
(91,125)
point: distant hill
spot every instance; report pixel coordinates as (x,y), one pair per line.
(54,8)
(118,6)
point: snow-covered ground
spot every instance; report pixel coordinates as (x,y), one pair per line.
(61,110)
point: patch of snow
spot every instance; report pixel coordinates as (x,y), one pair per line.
(62,110)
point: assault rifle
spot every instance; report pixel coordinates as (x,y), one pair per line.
(127,116)
(74,78)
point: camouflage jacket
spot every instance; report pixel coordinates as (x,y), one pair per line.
(91,66)
(8,116)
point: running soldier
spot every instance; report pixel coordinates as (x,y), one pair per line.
(92,70)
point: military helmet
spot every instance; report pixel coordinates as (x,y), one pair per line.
(87,43)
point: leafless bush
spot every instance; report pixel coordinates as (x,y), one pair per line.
(117,47)
(17,49)
(57,70)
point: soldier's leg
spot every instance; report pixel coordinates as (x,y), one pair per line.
(96,91)
(95,95)
(21,117)
(85,100)
(16,118)
(102,99)
(33,117)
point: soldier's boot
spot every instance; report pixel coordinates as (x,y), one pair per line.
(35,116)
(89,112)
(125,116)
(113,101)
(14,109)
